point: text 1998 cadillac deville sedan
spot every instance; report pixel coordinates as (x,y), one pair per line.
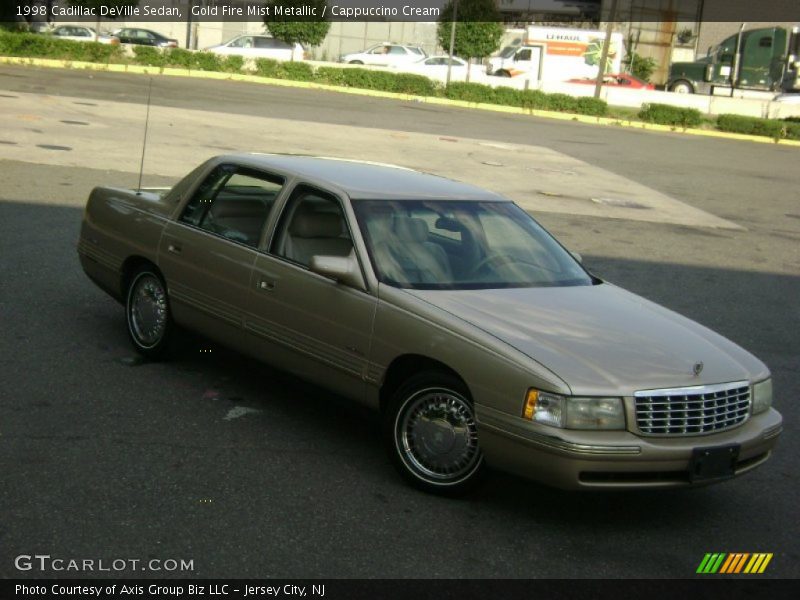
(478,336)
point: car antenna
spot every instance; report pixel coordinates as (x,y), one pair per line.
(144,141)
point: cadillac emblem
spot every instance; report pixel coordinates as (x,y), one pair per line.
(697,369)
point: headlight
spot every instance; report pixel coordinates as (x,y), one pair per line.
(574,413)
(762,396)
(546,408)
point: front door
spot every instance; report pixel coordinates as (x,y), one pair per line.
(304,322)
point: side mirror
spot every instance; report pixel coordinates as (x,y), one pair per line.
(343,269)
(577,257)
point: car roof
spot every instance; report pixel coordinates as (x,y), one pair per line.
(364,179)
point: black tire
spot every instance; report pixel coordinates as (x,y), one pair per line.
(148,314)
(356,62)
(502,73)
(431,436)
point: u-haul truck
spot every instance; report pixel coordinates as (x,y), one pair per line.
(557,54)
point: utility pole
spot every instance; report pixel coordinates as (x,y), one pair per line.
(453,42)
(606,45)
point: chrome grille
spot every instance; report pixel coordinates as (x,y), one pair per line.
(692,410)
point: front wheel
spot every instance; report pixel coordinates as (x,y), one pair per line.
(148,314)
(682,87)
(431,434)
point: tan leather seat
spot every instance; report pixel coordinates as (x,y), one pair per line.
(407,256)
(316,234)
(241,220)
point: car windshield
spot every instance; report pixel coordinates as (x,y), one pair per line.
(508,52)
(424,244)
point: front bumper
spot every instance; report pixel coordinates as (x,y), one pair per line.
(572,459)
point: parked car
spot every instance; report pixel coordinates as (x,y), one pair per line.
(385,55)
(617,80)
(445,306)
(259,46)
(79,33)
(435,67)
(144,37)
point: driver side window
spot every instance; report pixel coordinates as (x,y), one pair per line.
(312,224)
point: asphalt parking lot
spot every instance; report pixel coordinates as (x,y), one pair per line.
(251,473)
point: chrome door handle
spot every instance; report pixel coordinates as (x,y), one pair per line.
(267,285)
(174,249)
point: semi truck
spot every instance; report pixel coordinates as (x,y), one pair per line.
(756,59)
(557,54)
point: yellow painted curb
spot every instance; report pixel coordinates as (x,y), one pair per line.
(608,121)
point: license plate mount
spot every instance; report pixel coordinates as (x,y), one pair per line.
(718,462)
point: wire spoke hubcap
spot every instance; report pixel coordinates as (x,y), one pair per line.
(148,310)
(438,436)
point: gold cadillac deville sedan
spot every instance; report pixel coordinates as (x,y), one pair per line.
(447,307)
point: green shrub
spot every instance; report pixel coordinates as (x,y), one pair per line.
(297,71)
(148,56)
(330,75)
(591,106)
(179,58)
(562,103)
(369,80)
(267,67)
(206,61)
(639,66)
(417,85)
(469,92)
(754,126)
(232,63)
(664,114)
(507,96)
(534,100)
(46,46)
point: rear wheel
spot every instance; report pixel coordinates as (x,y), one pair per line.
(150,326)
(431,434)
(682,87)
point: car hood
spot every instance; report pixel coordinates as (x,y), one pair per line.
(601,339)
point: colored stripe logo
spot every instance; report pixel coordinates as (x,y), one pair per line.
(734,563)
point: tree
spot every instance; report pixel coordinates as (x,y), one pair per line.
(96,4)
(297,21)
(478,28)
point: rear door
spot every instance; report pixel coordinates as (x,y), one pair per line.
(207,254)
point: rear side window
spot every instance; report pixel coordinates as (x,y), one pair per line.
(233,203)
